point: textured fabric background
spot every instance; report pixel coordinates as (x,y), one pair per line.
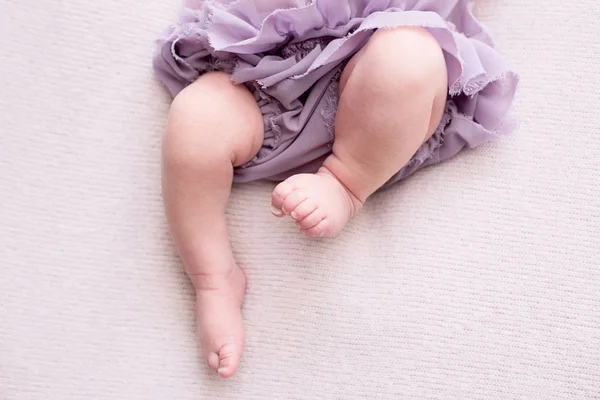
(477,279)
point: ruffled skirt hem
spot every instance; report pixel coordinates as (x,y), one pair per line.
(290,54)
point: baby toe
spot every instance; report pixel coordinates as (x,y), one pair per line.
(281,192)
(311,220)
(293,200)
(229,360)
(304,209)
(321,229)
(213,361)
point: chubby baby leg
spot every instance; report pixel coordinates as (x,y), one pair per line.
(392,98)
(213,126)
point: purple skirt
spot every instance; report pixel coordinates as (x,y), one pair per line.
(290,54)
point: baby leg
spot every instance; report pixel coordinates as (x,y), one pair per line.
(213,126)
(392,98)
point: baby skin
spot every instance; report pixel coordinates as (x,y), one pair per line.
(392,98)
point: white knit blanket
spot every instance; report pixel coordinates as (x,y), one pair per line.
(476,279)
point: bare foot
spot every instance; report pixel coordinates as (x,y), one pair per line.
(219,301)
(319,203)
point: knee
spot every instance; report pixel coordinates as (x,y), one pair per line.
(207,123)
(403,59)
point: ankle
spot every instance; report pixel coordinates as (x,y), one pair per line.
(213,280)
(354,202)
(224,284)
(352,175)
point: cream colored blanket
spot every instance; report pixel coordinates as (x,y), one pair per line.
(477,279)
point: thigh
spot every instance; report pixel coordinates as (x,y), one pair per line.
(414,56)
